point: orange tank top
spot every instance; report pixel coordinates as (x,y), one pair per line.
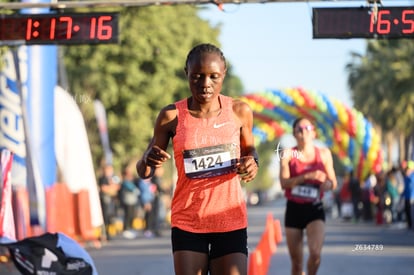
(208,196)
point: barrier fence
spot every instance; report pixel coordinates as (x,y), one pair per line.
(66,212)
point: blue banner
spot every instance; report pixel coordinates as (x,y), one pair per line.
(12,133)
(39,103)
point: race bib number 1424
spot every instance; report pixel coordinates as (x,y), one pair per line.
(210,161)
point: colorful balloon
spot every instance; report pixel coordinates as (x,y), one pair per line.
(343,129)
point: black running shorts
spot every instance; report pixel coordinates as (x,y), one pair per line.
(214,244)
(299,215)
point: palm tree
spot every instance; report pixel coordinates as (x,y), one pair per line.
(382,86)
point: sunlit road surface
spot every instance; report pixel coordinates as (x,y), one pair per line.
(350,248)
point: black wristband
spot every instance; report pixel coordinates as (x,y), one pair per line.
(257,161)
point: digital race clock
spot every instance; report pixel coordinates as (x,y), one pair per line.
(364,22)
(64,28)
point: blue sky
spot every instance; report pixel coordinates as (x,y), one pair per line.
(270,46)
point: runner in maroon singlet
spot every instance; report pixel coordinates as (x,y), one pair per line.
(306,171)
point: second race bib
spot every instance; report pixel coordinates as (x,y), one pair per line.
(306,191)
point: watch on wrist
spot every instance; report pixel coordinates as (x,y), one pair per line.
(257,161)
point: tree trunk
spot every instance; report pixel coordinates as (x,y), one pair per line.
(401,147)
(389,142)
(410,147)
(409,144)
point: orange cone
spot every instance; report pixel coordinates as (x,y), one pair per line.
(269,222)
(259,261)
(267,248)
(256,264)
(278,231)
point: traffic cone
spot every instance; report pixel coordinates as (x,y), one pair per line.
(269,221)
(256,264)
(270,231)
(267,247)
(278,231)
(259,261)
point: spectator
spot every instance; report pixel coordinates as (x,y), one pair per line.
(355,189)
(108,184)
(146,200)
(346,198)
(128,197)
(155,215)
(409,193)
(393,186)
(380,197)
(367,197)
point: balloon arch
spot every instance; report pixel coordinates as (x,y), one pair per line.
(344,130)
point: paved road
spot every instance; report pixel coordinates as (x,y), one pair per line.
(153,256)
(360,249)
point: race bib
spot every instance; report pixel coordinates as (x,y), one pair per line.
(306,191)
(210,161)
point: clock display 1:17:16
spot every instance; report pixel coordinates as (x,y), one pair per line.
(68,27)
